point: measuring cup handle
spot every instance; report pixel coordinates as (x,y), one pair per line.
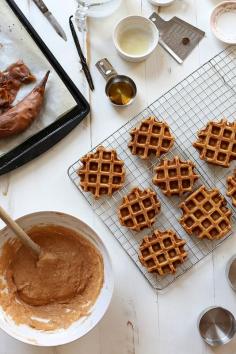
(157,20)
(105,68)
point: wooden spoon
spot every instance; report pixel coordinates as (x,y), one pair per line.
(25,239)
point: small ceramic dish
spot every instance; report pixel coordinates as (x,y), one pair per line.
(79,328)
(135,38)
(223,21)
(161,2)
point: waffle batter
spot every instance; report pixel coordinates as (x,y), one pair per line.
(57,289)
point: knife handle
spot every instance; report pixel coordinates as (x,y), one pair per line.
(42,7)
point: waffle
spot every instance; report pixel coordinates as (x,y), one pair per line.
(151,138)
(102,172)
(205,214)
(217,143)
(175,177)
(231,190)
(138,209)
(162,252)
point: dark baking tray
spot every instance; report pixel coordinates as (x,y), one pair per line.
(49,136)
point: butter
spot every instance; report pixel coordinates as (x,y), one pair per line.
(135,41)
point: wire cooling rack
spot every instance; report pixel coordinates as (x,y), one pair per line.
(209,93)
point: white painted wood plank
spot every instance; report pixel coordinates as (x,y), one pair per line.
(125,328)
(222,294)
(177,314)
(131,322)
(11,346)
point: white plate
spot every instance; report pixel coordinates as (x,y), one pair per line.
(85,324)
(223,21)
(161,2)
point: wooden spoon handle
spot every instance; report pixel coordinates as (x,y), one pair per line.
(26,240)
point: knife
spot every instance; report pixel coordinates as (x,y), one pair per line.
(53,21)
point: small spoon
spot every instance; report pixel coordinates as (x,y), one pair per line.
(25,239)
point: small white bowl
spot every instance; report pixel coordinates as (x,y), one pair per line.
(79,328)
(223,22)
(161,2)
(136,23)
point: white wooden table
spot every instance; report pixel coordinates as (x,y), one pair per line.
(138,321)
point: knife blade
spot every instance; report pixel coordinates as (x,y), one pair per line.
(53,21)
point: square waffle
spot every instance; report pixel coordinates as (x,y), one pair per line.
(231,190)
(151,138)
(216,143)
(162,252)
(205,214)
(175,177)
(102,172)
(139,209)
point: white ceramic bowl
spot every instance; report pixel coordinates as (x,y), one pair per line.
(84,325)
(136,23)
(223,22)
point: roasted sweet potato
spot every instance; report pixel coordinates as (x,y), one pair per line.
(18,118)
(11,80)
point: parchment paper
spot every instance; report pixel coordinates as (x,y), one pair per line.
(15,44)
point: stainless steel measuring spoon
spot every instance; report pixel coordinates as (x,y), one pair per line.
(120,89)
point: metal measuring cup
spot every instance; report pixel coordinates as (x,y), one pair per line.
(217,326)
(231,272)
(112,78)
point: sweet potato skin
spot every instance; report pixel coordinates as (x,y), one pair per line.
(18,118)
(11,80)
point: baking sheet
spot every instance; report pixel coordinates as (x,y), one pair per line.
(15,44)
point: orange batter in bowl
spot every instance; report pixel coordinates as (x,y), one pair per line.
(57,289)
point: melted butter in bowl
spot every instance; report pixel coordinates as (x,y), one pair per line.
(135,38)
(135,41)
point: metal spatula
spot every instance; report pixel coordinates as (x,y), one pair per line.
(178,37)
